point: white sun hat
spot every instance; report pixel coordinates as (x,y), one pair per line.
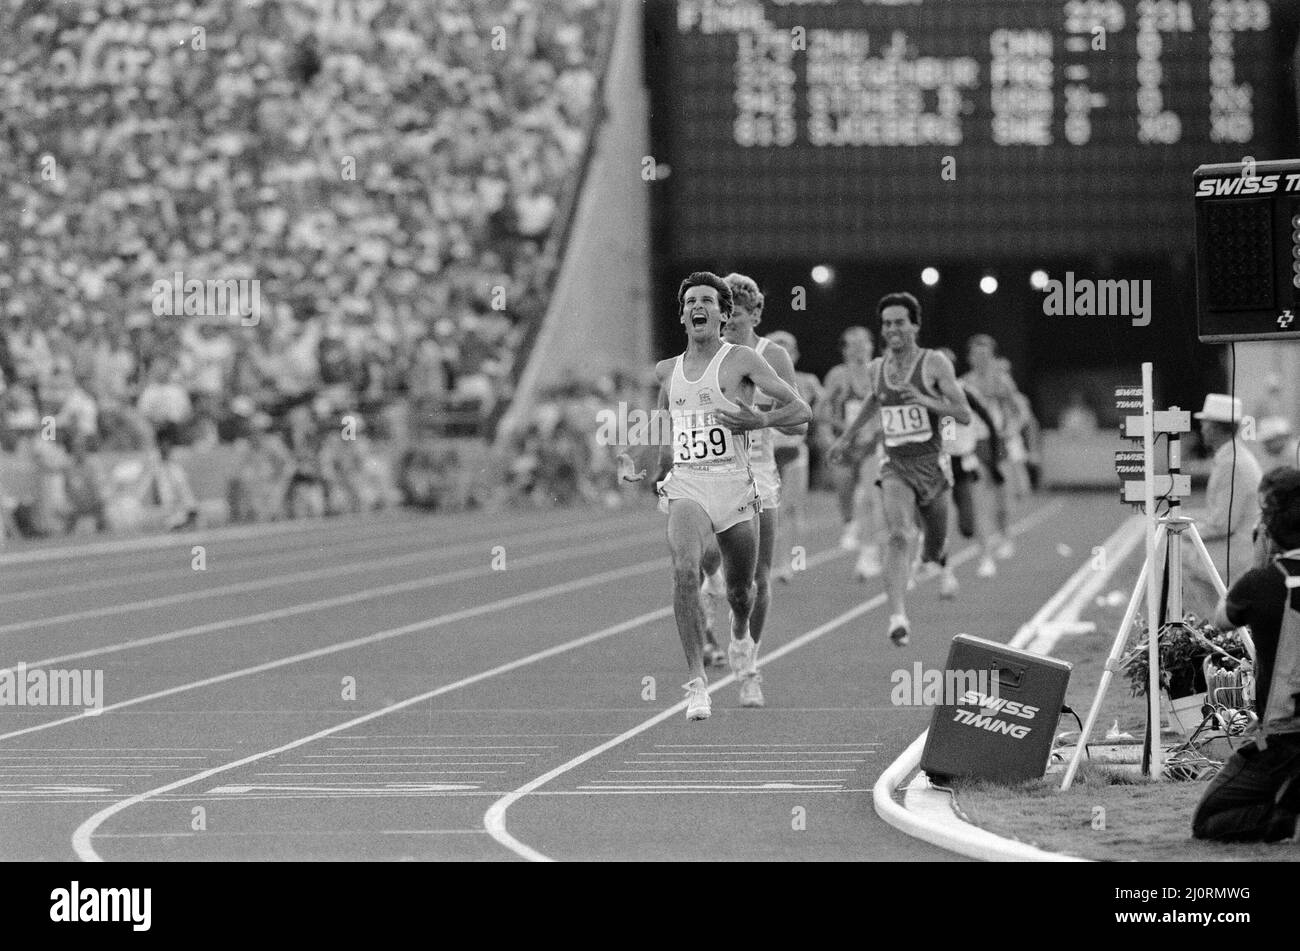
(1220,408)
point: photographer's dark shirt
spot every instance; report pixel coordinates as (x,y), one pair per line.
(1255,601)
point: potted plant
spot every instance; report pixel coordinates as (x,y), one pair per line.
(1188,649)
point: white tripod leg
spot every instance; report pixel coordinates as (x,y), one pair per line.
(1112,662)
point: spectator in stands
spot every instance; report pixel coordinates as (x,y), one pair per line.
(86,485)
(260,484)
(214,162)
(77,412)
(30,351)
(164,400)
(306,489)
(172,485)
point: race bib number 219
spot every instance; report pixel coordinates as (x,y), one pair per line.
(908,423)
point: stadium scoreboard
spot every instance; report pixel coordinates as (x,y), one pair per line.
(954,127)
(1248,251)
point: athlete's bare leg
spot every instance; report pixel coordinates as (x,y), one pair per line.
(739,546)
(845,478)
(934,521)
(794,499)
(767,528)
(900,527)
(692,545)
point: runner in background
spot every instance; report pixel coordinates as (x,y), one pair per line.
(847,388)
(974,450)
(913,389)
(988,381)
(792,461)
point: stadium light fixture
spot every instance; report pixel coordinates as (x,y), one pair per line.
(1038,279)
(930,276)
(822,274)
(988,284)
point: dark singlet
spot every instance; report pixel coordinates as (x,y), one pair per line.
(909,429)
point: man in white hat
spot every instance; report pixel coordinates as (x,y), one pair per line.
(1231,505)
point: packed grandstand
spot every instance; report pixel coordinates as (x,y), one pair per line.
(391,179)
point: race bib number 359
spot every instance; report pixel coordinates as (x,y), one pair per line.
(908,423)
(702,444)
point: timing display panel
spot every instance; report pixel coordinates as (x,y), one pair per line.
(953,127)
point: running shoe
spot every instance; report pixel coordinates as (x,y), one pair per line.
(1006,548)
(948,586)
(988,567)
(740,655)
(868,565)
(751,694)
(849,540)
(785,575)
(899,630)
(697,699)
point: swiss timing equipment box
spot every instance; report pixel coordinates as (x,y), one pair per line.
(1248,251)
(1001,707)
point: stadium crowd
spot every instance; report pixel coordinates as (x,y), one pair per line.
(388,174)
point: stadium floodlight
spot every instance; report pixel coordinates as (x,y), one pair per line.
(822,274)
(930,276)
(988,284)
(1038,279)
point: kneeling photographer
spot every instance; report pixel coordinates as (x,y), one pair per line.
(1256,796)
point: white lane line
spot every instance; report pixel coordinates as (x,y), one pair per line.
(154,542)
(417,763)
(91,757)
(759,752)
(1031,627)
(391,772)
(731,762)
(346,526)
(494,820)
(505,604)
(728,770)
(498,736)
(318,574)
(386,755)
(743,746)
(783,789)
(81,837)
(1116,549)
(284,834)
(280,613)
(440,621)
(279,559)
(348,599)
(828,785)
(422,832)
(343,748)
